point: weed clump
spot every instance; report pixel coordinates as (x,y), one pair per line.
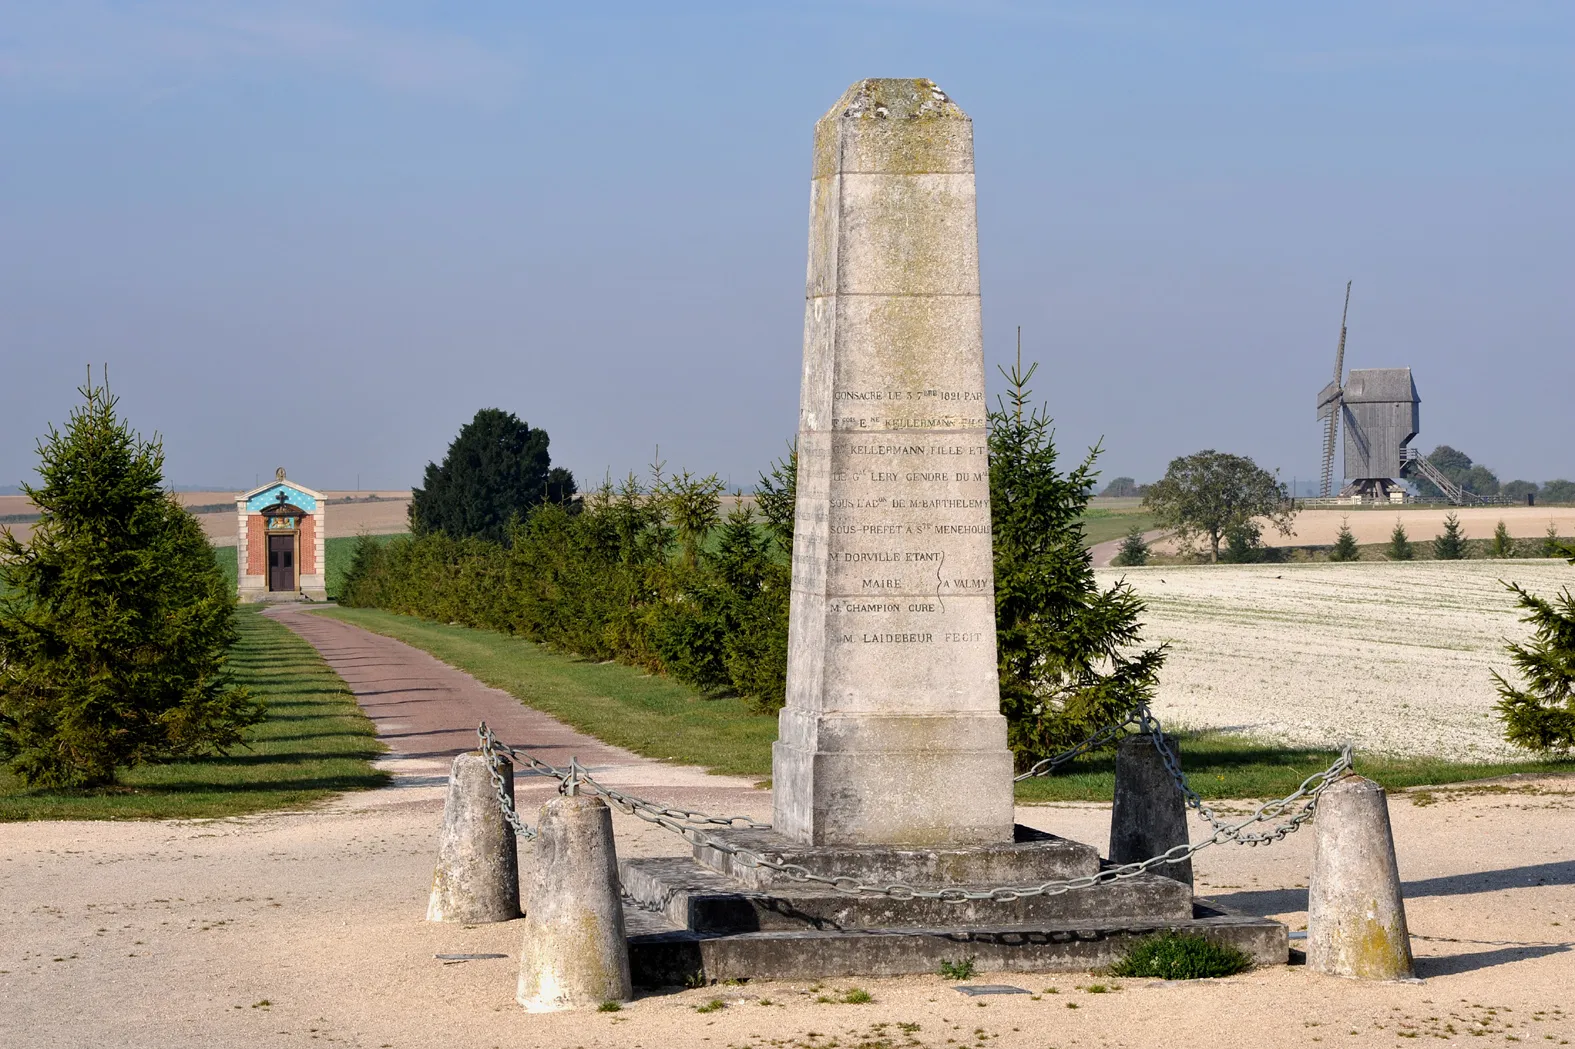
(958,970)
(1178,956)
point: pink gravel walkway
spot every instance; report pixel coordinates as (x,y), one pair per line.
(426,712)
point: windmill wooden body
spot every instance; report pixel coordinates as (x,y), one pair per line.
(1381,413)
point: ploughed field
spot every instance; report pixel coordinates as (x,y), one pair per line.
(1395,658)
(349,513)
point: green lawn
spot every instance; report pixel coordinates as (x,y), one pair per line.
(660,718)
(338,552)
(1102,525)
(651,715)
(314,743)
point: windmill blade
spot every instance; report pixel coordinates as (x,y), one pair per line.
(1330,434)
(1331,401)
(1339,353)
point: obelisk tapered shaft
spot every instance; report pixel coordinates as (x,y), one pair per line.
(892,733)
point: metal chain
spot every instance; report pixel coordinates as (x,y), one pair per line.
(1137,715)
(688,825)
(490,745)
(522,830)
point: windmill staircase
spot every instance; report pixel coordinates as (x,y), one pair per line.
(1413,462)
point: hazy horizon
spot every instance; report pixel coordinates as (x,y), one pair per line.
(323,235)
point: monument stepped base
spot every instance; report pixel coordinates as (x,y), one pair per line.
(663,955)
(705,917)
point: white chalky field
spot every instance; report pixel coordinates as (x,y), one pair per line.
(1395,658)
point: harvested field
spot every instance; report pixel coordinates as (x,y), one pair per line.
(1321,527)
(349,513)
(1396,658)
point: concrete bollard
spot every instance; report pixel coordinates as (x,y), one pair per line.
(1355,913)
(477,877)
(575,953)
(1149,815)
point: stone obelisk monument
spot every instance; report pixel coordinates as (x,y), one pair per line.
(892,733)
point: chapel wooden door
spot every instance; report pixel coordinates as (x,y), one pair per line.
(281,562)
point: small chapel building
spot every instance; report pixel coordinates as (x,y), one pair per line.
(279,542)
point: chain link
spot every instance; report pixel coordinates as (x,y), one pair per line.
(1137,716)
(689,824)
(522,830)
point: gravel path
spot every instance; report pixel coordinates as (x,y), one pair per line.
(298,927)
(426,712)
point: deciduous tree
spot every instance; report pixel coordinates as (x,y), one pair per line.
(1210,493)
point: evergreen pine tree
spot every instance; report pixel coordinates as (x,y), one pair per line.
(115,631)
(1064,645)
(1134,551)
(1502,544)
(1450,545)
(1400,548)
(1551,547)
(1345,548)
(1541,716)
(496,469)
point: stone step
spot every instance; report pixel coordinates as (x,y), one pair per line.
(662,954)
(1033,856)
(700,900)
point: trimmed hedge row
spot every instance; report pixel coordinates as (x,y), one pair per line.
(600,579)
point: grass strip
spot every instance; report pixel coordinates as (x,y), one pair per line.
(314,743)
(338,552)
(660,718)
(651,715)
(1101,526)
(1225,766)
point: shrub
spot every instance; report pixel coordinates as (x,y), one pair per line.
(1134,551)
(1400,548)
(962,969)
(626,575)
(1501,545)
(1243,544)
(1551,547)
(1450,545)
(1345,548)
(1066,649)
(1541,715)
(117,621)
(1180,956)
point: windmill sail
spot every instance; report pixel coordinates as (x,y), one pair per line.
(1331,401)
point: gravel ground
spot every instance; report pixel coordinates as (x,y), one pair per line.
(1392,657)
(294,928)
(288,928)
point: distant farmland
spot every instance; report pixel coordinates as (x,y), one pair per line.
(1395,658)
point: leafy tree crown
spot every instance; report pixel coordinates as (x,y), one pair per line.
(496,469)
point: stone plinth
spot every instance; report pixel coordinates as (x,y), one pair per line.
(892,733)
(1031,857)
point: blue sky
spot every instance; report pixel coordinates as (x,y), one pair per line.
(323,234)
